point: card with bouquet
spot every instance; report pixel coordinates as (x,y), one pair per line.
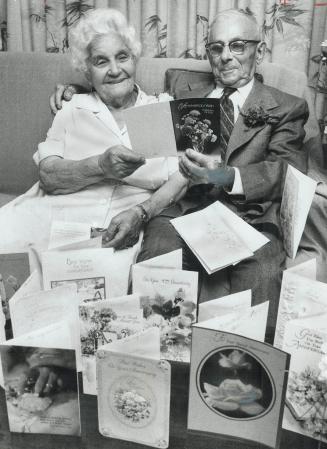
(173,126)
(42,400)
(134,390)
(169,301)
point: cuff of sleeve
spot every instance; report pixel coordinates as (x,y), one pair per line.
(237,188)
(45,150)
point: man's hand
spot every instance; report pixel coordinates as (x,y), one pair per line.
(202,169)
(63,92)
(124,229)
(118,162)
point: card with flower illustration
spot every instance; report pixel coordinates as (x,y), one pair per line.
(237,387)
(169,301)
(134,390)
(301,296)
(306,397)
(103,322)
(174,126)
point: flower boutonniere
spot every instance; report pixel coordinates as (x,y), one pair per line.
(258,116)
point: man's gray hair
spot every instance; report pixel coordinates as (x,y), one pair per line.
(244,14)
(95,24)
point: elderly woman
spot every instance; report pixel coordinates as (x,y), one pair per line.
(87,171)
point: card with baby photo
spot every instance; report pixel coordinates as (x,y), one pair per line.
(169,301)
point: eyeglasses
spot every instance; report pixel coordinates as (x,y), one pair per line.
(237,47)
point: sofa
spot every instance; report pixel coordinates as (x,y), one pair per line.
(28,79)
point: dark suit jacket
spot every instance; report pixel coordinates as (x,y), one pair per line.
(263,152)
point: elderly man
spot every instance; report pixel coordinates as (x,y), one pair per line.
(255,154)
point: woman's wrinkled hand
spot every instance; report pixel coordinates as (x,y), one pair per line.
(117,162)
(46,380)
(124,230)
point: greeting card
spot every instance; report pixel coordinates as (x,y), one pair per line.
(14,270)
(237,387)
(300,297)
(306,398)
(103,322)
(298,193)
(134,390)
(40,401)
(169,301)
(225,305)
(174,126)
(217,227)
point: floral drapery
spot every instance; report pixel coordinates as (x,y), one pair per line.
(293,29)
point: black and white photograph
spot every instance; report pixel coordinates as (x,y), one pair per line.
(190,127)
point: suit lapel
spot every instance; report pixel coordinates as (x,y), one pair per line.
(241,134)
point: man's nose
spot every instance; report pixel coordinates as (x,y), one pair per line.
(226,54)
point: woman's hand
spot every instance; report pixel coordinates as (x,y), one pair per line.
(202,169)
(118,162)
(124,229)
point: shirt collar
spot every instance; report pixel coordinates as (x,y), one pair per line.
(242,91)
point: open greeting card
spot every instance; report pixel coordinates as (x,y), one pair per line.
(35,403)
(237,388)
(298,193)
(214,227)
(169,301)
(174,126)
(134,390)
(301,297)
(306,398)
(103,322)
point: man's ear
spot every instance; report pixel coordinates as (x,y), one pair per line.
(260,52)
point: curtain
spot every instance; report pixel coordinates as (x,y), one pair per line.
(293,29)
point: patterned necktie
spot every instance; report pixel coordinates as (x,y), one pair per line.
(226,118)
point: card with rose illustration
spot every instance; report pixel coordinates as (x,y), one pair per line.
(237,388)
(134,390)
(173,126)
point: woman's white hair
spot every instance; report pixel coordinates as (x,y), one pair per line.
(94,24)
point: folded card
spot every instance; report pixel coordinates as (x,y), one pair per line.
(174,126)
(64,233)
(169,301)
(14,270)
(91,270)
(299,297)
(103,322)
(223,306)
(306,398)
(218,227)
(250,322)
(298,194)
(134,390)
(40,401)
(237,387)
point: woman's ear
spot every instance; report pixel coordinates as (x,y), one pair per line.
(260,52)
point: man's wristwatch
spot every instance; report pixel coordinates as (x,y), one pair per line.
(144,214)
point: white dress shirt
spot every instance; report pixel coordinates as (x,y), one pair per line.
(238,99)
